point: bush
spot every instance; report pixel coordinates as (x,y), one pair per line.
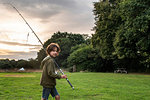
(85,58)
(5,64)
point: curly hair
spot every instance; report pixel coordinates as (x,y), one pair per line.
(51,47)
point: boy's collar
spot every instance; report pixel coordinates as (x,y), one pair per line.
(49,56)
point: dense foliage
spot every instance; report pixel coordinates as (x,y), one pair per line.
(86,58)
(122,32)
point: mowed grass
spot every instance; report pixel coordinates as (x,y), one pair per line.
(88,86)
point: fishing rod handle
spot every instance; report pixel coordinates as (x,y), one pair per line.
(67,79)
(63,74)
(70,83)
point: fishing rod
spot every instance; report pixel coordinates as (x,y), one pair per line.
(39,40)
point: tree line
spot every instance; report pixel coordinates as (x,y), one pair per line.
(11,64)
(121,40)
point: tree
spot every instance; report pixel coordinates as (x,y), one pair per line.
(23,63)
(85,57)
(122,31)
(66,41)
(133,37)
(5,64)
(34,63)
(107,21)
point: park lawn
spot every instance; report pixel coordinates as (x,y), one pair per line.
(88,86)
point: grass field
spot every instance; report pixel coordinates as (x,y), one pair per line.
(88,86)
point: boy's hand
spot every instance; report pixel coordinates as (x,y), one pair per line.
(63,76)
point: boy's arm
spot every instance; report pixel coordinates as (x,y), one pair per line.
(51,70)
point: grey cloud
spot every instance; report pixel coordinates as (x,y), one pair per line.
(46,9)
(43,8)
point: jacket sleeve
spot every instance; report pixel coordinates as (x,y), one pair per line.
(51,69)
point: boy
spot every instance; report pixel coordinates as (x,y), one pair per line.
(48,79)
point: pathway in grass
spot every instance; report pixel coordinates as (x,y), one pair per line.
(16,75)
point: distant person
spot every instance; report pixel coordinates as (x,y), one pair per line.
(48,78)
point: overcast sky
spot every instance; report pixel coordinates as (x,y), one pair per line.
(45,17)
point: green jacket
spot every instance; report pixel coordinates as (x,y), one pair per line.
(48,78)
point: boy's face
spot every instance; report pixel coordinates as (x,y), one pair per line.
(54,53)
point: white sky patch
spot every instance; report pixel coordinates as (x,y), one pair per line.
(16,48)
